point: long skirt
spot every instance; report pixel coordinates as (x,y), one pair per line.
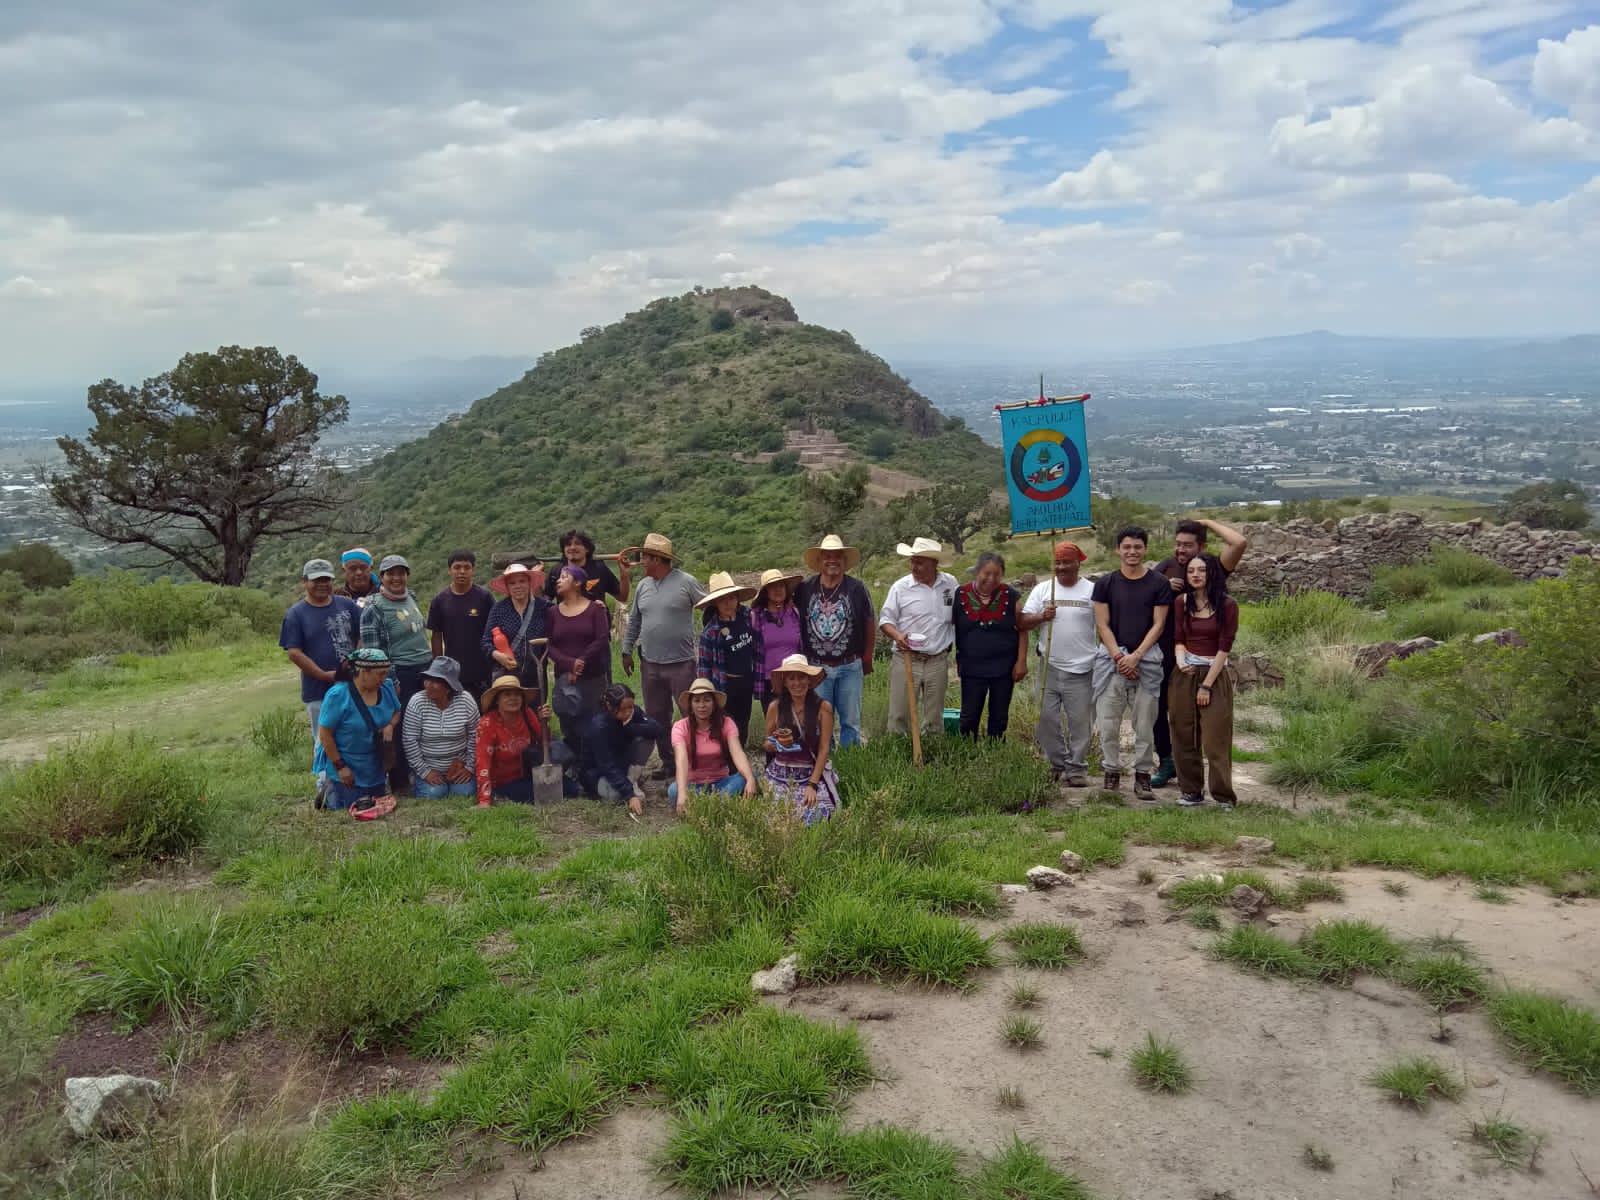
(788,775)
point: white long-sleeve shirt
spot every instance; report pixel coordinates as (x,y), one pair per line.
(922,610)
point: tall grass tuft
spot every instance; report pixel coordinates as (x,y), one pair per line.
(281,733)
(1307,618)
(188,959)
(1553,1035)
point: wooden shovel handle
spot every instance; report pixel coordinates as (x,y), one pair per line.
(911,703)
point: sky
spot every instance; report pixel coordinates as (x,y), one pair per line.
(366,181)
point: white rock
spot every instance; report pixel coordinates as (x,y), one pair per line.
(1168,884)
(1014,889)
(1212,877)
(779,980)
(96,1100)
(1072,863)
(1045,878)
(1254,845)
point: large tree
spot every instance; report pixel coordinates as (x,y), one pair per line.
(951,512)
(202,462)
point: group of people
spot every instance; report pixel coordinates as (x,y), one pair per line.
(462,700)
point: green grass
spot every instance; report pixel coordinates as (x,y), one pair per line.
(1417,1082)
(1204,918)
(852,935)
(1263,953)
(187,959)
(1020,1172)
(1022,1032)
(1552,1035)
(1009,1097)
(1490,894)
(1340,949)
(1445,981)
(1159,1066)
(1504,1140)
(1023,995)
(1043,945)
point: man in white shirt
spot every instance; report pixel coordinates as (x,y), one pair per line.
(1066,602)
(918,616)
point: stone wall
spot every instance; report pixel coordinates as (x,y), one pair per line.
(1339,556)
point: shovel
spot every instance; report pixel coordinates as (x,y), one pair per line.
(547,787)
(916,717)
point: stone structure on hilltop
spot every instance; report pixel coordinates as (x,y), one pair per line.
(1339,556)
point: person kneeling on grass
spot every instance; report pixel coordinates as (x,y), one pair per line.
(616,738)
(799,741)
(510,741)
(1200,704)
(706,749)
(440,733)
(355,733)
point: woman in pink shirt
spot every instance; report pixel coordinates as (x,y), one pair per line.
(706,748)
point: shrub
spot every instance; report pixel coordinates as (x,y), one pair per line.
(1442,621)
(721,319)
(877,937)
(187,958)
(110,799)
(1311,617)
(1458,568)
(38,564)
(1394,584)
(281,732)
(1159,1066)
(1416,1081)
(1558,504)
(785,462)
(880,444)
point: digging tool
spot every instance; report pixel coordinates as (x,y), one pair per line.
(547,777)
(911,702)
(1049,633)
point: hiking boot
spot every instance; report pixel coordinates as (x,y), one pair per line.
(1080,780)
(1141,786)
(1165,773)
(1190,799)
(1113,781)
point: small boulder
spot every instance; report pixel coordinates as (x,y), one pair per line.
(1013,890)
(110,1103)
(779,980)
(1072,863)
(1246,900)
(1212,877)
(1169,884)
(1501,637)
(1372,660)
(1045,878)
(1252,671)
(1131,914)
(1254,845)
(1416,645)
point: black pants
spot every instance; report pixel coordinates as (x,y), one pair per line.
(408,682)
(741,693)
(974,692)
(1163,730)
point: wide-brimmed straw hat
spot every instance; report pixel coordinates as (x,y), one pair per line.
(721,584)
(774,575)
(505,683)
(700,687)
(813,556)
(796,664)
(923,548)
(535,577)
(655,543)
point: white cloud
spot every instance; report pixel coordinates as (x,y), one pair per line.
(1567,72)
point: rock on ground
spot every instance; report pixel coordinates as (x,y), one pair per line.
(1014,889)
(1072,863)
(109,1103)
(1254,845)
(1168,884)
(1246,900)
(779,980)
(1501,637)
(1045,878)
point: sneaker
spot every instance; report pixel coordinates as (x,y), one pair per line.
(1141,786)
(1225,805)
(1079,780)
(1165,773)
(1113,781)
(1191,800)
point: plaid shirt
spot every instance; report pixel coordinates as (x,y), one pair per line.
(712,661)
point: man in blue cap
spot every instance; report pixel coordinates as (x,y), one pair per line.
(318,634)
(360,584)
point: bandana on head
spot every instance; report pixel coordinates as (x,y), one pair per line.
(356,555)
(368,656)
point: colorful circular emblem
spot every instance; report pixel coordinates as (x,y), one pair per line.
(1045,465)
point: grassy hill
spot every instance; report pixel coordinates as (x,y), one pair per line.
(649,423)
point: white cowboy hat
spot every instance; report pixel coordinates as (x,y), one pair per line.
(813,556)
(923,548)
(721,584)
(796,664)
(700,687)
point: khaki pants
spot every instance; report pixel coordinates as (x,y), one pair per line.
(930,678)
(1126,696)
(1204,731)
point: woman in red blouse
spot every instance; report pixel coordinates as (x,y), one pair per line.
(1200,700)
(510,742)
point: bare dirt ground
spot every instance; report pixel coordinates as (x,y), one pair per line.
(1278,1065)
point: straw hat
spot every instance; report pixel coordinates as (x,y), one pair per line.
(700,687)
(923,548)
(796,664)
(654,543)
(721,584)
(774,575)
(535,577)
(507,682)
(813,557)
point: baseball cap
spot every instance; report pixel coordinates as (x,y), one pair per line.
(317,568)
(391,561)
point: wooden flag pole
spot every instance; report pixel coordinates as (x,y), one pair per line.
(911,703)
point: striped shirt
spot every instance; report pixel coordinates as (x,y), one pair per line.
(434,737)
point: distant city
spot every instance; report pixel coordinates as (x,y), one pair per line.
(1281,419)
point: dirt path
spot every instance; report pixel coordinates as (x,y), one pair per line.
(199,714)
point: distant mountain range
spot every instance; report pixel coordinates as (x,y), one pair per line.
(1321,345)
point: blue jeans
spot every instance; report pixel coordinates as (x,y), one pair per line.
(731,786)
(438,791)
(842,689)
(335,795)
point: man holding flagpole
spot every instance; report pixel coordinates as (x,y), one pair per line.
(1064,605)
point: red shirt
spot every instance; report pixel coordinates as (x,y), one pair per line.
(1205,636)
(500,748)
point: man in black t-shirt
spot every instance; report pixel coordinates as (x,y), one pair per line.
(456,617)
(1130,610)
(577,547)
(1189,541)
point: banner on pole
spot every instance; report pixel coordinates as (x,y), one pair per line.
(1047,464)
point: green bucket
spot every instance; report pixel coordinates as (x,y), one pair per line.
(952,720)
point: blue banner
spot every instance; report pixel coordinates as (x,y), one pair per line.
(1047,465)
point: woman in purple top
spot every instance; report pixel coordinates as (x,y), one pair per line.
(580,650)
(774,611)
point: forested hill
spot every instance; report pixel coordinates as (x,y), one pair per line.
(653,423)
